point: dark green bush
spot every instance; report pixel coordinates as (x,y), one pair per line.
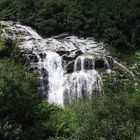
(114,115)
(23,115)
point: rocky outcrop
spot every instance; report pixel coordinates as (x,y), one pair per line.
(66,67)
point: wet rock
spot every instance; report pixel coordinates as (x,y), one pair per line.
(71,57)
(61,36)
(37,71)
(31,70)
(78,53)
(40,82)
(110,61)
(68,58)
(99,64)
(33,58)
(44,72)
(44,96)
(45,80)
(42,55)
(88,64)
(42,92)
(78,66)
(26,51)
(70,67)
(8,41)
(66,98)
(63,52)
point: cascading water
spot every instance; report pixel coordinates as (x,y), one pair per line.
(84,62)
(84,80)
(54,66)
(65,67)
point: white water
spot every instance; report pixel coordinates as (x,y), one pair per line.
(61,86)
(80,84)
(53,64)
(83,62)
(83,83)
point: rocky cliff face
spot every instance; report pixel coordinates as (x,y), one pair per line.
(66,67)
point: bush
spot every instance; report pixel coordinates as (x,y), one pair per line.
(23,115)
(114,115)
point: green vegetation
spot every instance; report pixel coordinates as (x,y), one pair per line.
(113,21)
(23,115)
(115,115)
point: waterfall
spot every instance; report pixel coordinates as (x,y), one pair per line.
(84,81)
(52,77)
(81,83)
(84,62)
(53,64)
(64,66)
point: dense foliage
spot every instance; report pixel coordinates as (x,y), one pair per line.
(115,115)
(113,21)
(23,115)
